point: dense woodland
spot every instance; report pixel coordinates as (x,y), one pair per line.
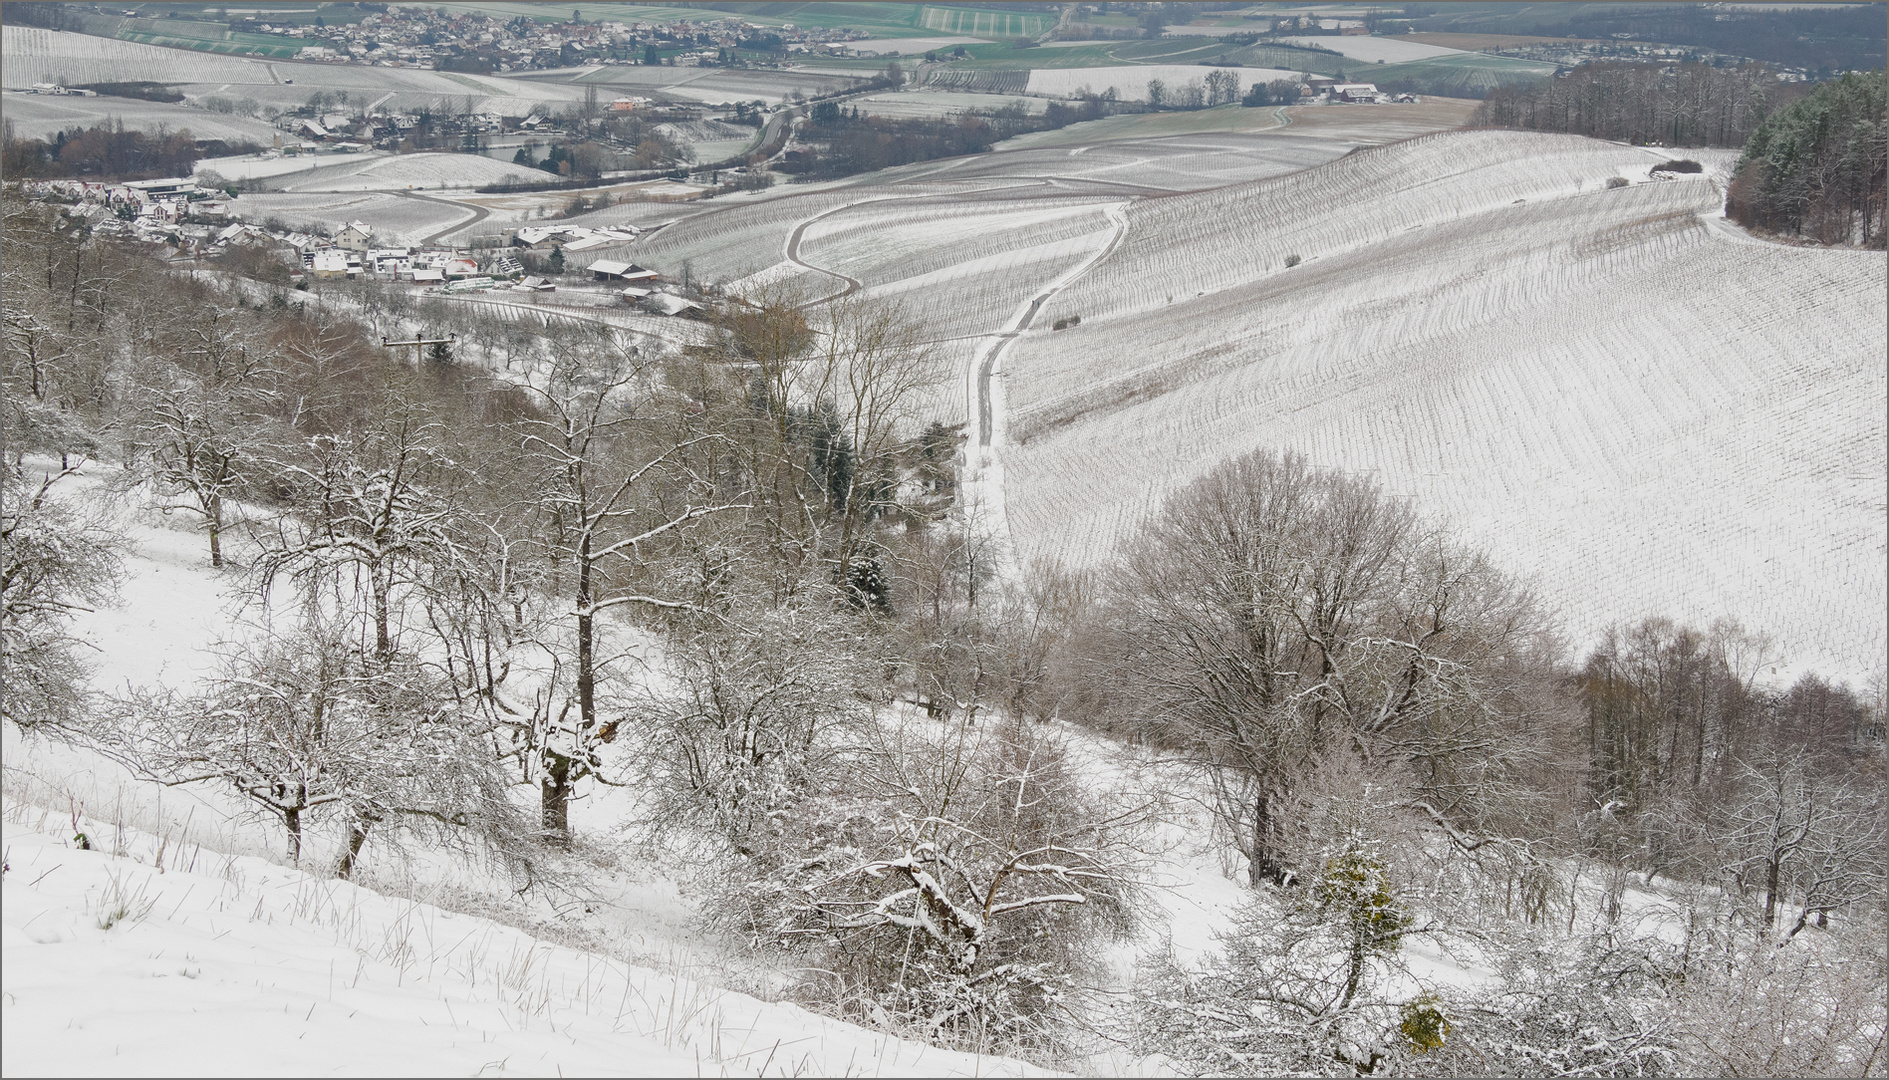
(1819,168)
(876,752)
(108,152)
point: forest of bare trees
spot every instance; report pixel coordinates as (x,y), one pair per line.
(1644,104)
(741,582)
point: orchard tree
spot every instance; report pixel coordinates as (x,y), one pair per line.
(615,476)
(1276,613)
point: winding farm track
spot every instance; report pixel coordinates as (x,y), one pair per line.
(986,366)
(983,465)
(790,250)
(479,213)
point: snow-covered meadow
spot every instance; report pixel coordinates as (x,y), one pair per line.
(131,953)
(38,55)
(37,116)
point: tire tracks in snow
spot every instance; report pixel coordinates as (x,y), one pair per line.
(983,456)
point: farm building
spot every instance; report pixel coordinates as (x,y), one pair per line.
(170,188)
(1356,93)
(611,270)
(671,305)
(537,239)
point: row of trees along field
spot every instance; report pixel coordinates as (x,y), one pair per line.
(844,142)
(107,151)
(740,581)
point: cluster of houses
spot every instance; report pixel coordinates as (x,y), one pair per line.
(571,238)
(171,211)
(422,37)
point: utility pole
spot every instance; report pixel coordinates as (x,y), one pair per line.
(418,344)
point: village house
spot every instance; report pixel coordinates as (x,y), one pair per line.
(329,264)
(354,236)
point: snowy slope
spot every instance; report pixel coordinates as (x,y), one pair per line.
(1630,404)
(227,963)
(232,966)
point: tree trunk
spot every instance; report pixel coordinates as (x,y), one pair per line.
(555,800)
(1264,864)
(1770,891)
(292,818)
(357,839)
(215,518)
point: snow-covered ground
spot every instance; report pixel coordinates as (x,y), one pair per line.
(146,956)
(1373,49)
(1630,405)
(37,116)
(173,940)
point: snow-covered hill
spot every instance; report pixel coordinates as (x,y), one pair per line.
(1634,406)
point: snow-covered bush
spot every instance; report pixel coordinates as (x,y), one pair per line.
(1302,982)
(58,557)
(953,887)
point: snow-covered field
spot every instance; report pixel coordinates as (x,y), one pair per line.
(1606,388)
(706,85)
(423,171)
(1131,83)
(1629,404)
(394,217)
(1373,49)
(36,55)
(40,117)
(935,103)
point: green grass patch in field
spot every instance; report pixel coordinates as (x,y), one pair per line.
(235,45)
